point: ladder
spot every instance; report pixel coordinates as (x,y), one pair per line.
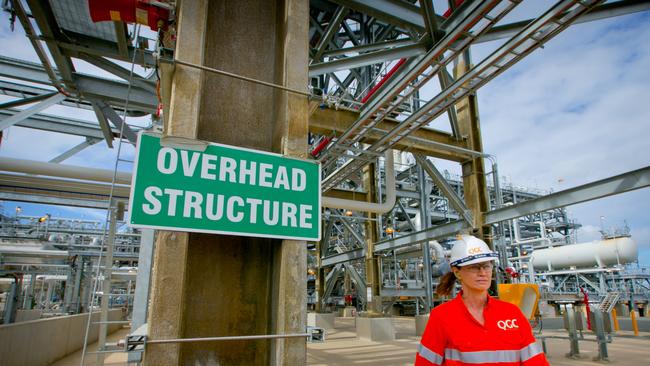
(533,36)
(609,302)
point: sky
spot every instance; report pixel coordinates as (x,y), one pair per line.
(570,113)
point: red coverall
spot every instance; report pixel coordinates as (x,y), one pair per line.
(454,337)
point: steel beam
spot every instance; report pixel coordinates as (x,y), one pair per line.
(446,189)
(104,48)
(26,113)
(117,121)
(112,91)
(626,182)
(104,125)
(432,233)
(57,124)
(38,48)
(369,47)
(343,257)
(430,19)
(400,13)
(413,292)
(120,72)
(366,59)
(426,140)
(332,29)
(116,93)
(27,91)
(26,100)
(42,14)
(604,11)
(71,152)
(354,233)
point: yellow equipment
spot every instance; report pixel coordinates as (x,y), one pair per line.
(524,295)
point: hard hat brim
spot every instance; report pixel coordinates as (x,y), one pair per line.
(486,257)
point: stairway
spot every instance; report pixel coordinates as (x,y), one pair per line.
(609,302)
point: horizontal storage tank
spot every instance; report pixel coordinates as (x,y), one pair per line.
(599,253)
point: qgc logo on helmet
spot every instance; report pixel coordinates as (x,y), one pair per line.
(507,324)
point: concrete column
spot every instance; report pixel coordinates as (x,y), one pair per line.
(473,171)
(373,277)
(217,285)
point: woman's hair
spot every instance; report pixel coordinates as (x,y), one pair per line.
(446,285)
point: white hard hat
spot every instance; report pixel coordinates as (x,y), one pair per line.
(469,250)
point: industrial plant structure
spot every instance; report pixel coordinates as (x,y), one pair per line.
(360,88)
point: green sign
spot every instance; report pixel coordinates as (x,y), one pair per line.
(224,190)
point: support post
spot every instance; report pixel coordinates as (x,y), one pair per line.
(473,170)
(373,277)
(106,285)
(574,351)
(206,285)
(426,251)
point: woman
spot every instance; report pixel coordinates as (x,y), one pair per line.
(475,328)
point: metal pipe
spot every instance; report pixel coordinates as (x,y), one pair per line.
(62,170)
(380,208)
(231,338)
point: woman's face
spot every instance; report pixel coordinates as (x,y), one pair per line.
(476,277)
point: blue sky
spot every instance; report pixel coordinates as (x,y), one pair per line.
(570,113)
(575,112)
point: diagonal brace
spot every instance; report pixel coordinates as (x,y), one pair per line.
(110,114)
(10,121)
(456,202)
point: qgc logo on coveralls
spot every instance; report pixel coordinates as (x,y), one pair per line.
(507,324)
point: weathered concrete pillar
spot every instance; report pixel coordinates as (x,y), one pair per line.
(473,171)
(373,277)
(218,285)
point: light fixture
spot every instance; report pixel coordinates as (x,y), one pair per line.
(389,230)
(348,213)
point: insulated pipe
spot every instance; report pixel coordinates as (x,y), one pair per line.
(63,170)
(105,175)
(379,208)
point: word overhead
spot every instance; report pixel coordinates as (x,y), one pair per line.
(224,190)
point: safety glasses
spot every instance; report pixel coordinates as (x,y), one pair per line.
(478,267)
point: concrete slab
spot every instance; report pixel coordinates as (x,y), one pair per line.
(349,312)
(420,324)
(342,347)
(375,329)
(321,320)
